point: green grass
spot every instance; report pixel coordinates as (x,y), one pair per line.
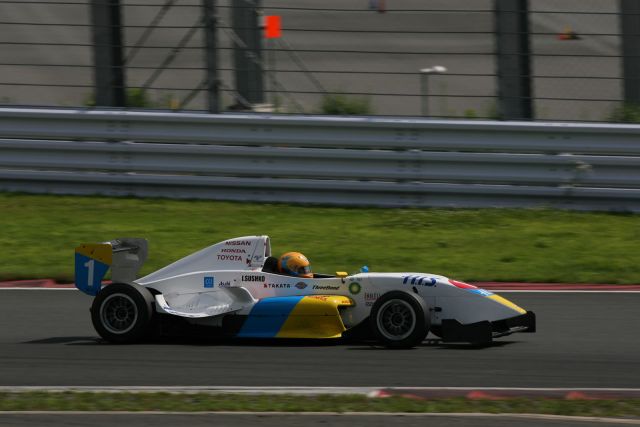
(76,401)
(39,234)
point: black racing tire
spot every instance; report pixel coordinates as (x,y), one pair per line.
(122,313)
(400,320)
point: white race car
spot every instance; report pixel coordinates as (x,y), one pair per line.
(235,287)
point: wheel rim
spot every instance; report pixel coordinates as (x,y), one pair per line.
(118,313)
(396,319)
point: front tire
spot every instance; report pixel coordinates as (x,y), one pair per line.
(122,313)
(400,320)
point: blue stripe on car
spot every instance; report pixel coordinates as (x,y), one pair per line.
(267,317)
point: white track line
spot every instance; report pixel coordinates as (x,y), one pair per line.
(195,389)
(542,417)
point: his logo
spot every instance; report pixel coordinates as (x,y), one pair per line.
(208,282)
(301,285)
(354,288)
(419,280)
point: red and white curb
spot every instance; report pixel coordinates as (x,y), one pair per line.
(496,393)
(421,393)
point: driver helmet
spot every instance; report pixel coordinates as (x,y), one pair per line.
(295,264)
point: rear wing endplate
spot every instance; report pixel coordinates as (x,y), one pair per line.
(125,256)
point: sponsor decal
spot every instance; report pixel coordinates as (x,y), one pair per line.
(233,250)
(419,280)
(326,288)
(238,243)
(482,292)
(470,288)
(301,285)
(278,285)
(253,278)
(370,298)
(355,288)
(226,284)
(461,285)
(229,258)
(208,281)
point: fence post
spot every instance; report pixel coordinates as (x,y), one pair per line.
(108,61)
(248,51)
(630,24)
(512,46)
(211,53)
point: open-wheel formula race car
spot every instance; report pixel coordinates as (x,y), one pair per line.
(236,288)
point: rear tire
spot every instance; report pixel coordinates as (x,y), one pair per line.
(400,320)
(122,313)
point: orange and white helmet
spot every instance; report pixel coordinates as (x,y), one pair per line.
(295,264)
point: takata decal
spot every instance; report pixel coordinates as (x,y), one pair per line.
(277,285)
(208,282)
(419,280)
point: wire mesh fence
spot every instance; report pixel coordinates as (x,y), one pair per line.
(363,54)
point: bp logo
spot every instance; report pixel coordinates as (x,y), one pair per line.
(354,288)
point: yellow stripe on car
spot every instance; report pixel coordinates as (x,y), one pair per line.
(506,302)
(98,251)
(316,316)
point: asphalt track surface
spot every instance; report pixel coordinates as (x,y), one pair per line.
(583,340)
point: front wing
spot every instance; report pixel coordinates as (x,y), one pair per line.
(484,332)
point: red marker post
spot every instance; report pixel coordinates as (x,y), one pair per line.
(272,31)
(272,27)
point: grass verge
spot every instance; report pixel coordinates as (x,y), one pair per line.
(79,401)
(39,234)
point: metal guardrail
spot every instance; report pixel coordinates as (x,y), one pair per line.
(333,160)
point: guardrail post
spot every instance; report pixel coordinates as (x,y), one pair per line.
(211,53)
(248,51)
(630,23)
(514,75)
(107,53)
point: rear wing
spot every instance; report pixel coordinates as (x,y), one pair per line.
(125,256)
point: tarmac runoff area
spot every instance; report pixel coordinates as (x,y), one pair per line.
(584,340)
(586,347)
